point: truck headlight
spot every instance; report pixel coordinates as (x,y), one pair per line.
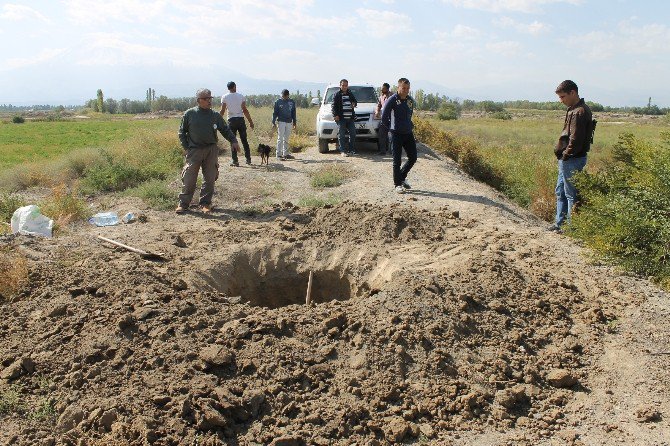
(327,117)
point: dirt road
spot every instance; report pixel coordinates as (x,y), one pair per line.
(445,316)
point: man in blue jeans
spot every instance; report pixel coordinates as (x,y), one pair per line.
(571,150)
(343,106)
(397,117)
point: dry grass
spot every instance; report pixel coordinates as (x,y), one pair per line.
(13,272)
(331,175)
(64,206)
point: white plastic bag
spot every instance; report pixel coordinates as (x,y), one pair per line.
(29,220)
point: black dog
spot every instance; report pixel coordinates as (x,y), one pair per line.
(264,151)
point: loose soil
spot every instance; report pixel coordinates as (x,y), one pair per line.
(444,316)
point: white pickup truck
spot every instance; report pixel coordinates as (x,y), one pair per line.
(366,121)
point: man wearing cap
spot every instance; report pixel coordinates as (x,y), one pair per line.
(283,117)
(197,134)
(237,109)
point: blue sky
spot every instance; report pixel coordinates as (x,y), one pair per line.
(61,51)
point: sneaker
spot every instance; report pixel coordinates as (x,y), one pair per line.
(405,185)
(207,209)
(353,152)
(234,164)
(248,162)
(180,209)
(289,157)
(399,190)
(345,154)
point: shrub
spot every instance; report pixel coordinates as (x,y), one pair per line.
(127,164)
(8,204)
(297,142)
(13,274)
(503,115)
(330,176)
(449,111)
(156,193)
(64,206)
(18,119)
(465,151)
(318,202)
(625,215)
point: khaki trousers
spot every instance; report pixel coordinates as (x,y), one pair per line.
(207,158)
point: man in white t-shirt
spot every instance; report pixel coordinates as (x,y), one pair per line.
(237,109)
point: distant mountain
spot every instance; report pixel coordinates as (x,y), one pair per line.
(56,83)
(77,84)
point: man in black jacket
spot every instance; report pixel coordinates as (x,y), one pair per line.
(571,149)
(343,106)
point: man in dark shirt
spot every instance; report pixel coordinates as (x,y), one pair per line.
(197,134)
(397,117)
(343,106)
(571,149)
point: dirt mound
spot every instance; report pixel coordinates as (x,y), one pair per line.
(449,318)
(414,333)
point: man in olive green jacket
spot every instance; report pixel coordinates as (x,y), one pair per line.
(197,134)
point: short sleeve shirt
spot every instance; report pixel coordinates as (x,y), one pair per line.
(233,103)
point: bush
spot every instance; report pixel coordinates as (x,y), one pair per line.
(8,204)
(466,152)
(130,163)
(504,115)
(13,274)
(625,215)
(449,111)
(156,193)
(330,176)
(18,119)
(64,206)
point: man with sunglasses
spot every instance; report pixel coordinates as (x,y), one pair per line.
(197,134)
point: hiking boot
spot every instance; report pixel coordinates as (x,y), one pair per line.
(405,185)
(207,209)
(180,209)
(399,190)
(248,162)
(289,157)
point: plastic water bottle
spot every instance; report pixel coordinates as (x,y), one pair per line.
(104,219)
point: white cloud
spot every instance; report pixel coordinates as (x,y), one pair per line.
(384,23)
(627,40)
(527,6)
(111,50)
(505,48)
(294,56)
(97,12)
(34,59)
(21,12)
(465,32)
(535,28)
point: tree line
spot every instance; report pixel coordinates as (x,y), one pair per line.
(442,104)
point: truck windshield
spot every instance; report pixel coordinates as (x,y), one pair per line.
(362,94)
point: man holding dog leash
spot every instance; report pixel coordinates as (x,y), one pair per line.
(237,109)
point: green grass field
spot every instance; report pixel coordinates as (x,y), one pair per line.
(44,140)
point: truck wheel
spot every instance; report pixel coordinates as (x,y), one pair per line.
(323,146)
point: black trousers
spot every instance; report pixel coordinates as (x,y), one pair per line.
(401,141)
(238,125)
